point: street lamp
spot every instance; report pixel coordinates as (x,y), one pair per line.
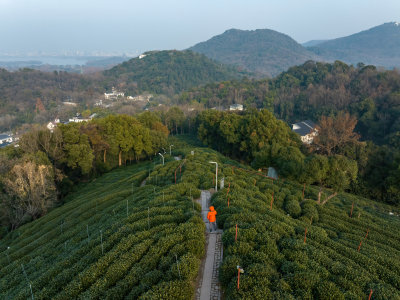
(162,157)
(216,173)
(8,258)
(170,149)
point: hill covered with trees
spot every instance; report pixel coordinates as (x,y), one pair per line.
(378,46)
(31,96)
(316,91)
(168,72)
(262,51)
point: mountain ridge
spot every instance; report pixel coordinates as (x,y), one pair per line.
(379,45)
(263,51)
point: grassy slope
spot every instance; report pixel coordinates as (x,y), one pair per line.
(140,262)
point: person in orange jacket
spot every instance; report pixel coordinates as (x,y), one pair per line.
(212,219)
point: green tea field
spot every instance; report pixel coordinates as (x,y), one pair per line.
(137,233)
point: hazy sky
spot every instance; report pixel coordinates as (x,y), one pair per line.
(137,26)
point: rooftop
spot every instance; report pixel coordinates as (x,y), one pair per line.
(303,128)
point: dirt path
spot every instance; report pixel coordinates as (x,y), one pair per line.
(208,285)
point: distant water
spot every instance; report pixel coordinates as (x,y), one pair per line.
(51,60)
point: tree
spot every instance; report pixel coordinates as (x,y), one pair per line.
(229,128)
(315,171)
(124,134)
(98,143)
(41,139)
(336,172)
(174,118)
(289,161)
(208,130)
(78,153)
(334,133)
(261,128)
(341,172)
(31,189)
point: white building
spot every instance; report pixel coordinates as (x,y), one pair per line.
(114,94)
(68,103)
(53,124)
(78,119)
(307,131)
(140,98)
(5,139)
(236,107)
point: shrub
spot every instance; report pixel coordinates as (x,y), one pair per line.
(309,210)
(292,206)
(171,290)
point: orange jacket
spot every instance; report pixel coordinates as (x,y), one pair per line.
(211,214)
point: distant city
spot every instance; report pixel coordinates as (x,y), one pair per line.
(37,53)
(63,58)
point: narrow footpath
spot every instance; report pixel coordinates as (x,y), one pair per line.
(208,284)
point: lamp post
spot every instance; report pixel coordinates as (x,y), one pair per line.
(240,270)
(216,173)
(8,258)
(162,157)
(170,149)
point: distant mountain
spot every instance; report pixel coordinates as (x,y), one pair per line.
(263,51)
(313,43)
(379,46)
(169,72)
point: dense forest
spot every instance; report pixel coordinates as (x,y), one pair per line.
(316,89)
(30,96)
(263,51)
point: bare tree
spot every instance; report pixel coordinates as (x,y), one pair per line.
(30,192)
(334,133)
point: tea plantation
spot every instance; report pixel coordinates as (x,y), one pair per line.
(116,238)
(112,239)
(302,250)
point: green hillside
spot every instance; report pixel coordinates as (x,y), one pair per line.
(169,72)
(378,46)
(116,239)
(263,51)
